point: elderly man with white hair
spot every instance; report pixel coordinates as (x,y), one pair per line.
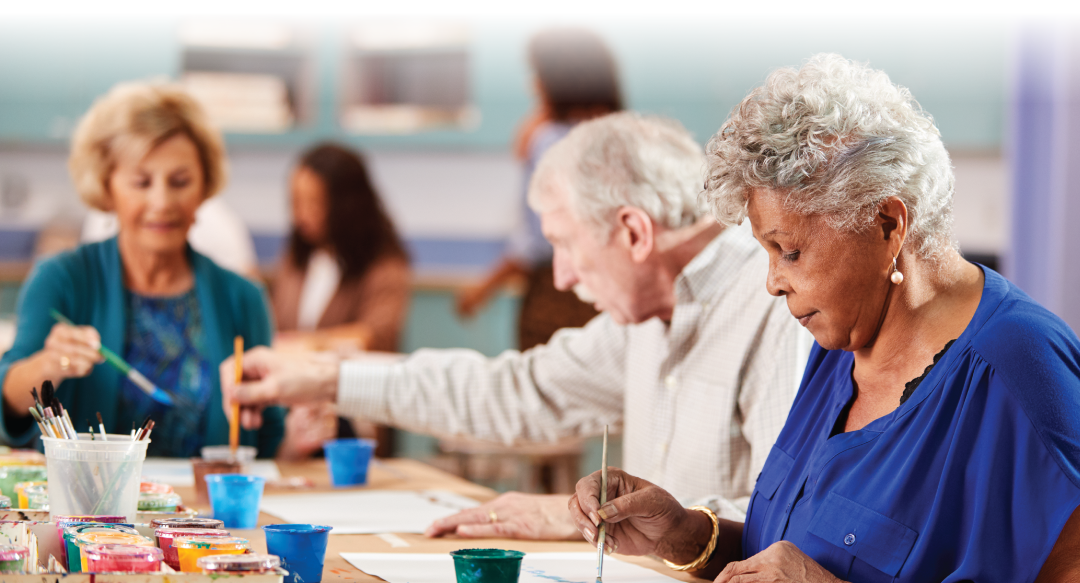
(691,358)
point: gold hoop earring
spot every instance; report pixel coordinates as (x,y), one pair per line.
(896,277)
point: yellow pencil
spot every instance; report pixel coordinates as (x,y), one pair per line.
(234,414)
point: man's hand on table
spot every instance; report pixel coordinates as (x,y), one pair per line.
(512,515)
(272,378)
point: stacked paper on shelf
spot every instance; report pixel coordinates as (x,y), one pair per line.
(242,101)
(409,31)
(396,118)
(244,30)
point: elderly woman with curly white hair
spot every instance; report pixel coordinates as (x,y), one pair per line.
(936,434)
(148,153)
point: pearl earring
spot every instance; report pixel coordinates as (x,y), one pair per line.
(897,278)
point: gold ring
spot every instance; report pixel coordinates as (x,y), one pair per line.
(65,362)
(494,517)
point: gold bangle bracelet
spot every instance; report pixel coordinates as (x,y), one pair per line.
(709,548)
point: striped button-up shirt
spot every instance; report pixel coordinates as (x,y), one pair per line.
(699,400)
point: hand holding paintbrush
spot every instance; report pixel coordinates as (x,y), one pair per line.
(68,352)
(638,518)
(133,375)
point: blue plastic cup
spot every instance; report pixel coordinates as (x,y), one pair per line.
(302,548)
(234,498)
(347,460)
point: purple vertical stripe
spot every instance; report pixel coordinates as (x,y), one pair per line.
(1044,155)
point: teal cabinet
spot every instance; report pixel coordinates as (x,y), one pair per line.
(433,323)
(52,66)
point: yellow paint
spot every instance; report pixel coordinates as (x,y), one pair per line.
(190,556)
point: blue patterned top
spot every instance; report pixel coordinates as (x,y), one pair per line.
(164,342)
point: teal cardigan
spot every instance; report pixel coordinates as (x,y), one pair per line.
(86,285)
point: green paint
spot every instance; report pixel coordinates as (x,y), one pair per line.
(13,566)
(487,565)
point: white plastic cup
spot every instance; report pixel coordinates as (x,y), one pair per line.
(94,477)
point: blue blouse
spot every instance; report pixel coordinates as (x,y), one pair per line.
(972,478)
(165,343)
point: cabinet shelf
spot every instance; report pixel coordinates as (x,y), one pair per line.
(251,80)
(433,50)
(286,52)
(407,78)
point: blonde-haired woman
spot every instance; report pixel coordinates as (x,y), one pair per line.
(147,153)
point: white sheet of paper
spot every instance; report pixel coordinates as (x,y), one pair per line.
(177,472)
(535,568)
(367,512)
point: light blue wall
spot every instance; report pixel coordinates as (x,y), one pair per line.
(696,72)
(433,323)
(696,68)
(52,66)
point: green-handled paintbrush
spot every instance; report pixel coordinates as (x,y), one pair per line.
(133,375)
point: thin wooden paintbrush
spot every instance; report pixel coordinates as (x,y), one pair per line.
(602,534)
(41,423)
(101,426)
(234,410)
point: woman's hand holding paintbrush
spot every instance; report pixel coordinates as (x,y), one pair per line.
(69,352)
(133,375)
(631,531)
(72,351)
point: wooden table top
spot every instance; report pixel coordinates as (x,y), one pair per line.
(403,474)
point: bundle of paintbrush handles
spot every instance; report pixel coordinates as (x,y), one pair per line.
(52,419)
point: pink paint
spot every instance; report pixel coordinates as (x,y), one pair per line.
(122,559)
(166,539)
(65,521)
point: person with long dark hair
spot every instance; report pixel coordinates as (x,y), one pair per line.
(344,280)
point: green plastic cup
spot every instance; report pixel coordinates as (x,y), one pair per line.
(487,565)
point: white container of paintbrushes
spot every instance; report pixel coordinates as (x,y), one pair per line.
(94,477)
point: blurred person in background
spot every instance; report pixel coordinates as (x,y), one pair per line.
(147,153)
(690,359)
(575,79)
(344,282)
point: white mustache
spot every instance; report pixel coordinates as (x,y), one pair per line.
(584,294)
